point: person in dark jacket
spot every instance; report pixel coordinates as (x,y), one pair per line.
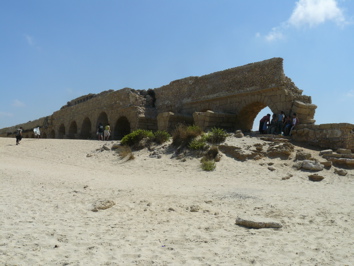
(263,123)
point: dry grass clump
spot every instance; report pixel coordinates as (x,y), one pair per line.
(183,134)
(125,152)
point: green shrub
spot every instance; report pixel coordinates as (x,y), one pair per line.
(208,165)
(216,135)
(136,136)
(198,144)
(161,136)
(183,134)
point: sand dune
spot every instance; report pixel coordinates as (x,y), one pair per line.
(166,211)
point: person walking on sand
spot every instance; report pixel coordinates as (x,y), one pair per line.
(18,135)
(37,132)
(107,132)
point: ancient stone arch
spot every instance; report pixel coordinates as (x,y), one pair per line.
(86,129)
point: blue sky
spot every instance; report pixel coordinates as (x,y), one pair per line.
(54,51)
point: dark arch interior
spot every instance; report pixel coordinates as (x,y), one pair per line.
(86,129)
(121,128)
(72,130)
(102,118)
(52,134)
(61,131)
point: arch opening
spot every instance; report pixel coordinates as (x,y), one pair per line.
(121,128)
(247,116)
(52,134)
(266,110)
(103,119)
(72,130)
(86,129)
(61,131)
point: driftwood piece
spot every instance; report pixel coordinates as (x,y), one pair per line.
(257,225)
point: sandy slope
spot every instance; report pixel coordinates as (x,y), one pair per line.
(48,189)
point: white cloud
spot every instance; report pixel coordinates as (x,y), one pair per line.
(309,13)
(18,103)
(350,94)
(69,91)
(275,34)
(5,114)
(314,12)
(30,40)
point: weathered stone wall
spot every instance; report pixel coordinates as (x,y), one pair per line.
(242,80)
(207,120)
(168,120)
(332,136)
(124,109)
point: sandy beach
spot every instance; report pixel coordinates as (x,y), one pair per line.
(165,211)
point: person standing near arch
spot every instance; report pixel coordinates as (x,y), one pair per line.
(107,132)
(295,121)
(263,123)
(280,122)
(100,131)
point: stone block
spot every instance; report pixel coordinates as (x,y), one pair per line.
(344,151)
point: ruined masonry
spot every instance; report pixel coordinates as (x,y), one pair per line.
(229,99)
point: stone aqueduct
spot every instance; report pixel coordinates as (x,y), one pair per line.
(229,99)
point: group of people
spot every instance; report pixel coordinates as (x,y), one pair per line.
(103,133)
(19,132)
(278,124)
